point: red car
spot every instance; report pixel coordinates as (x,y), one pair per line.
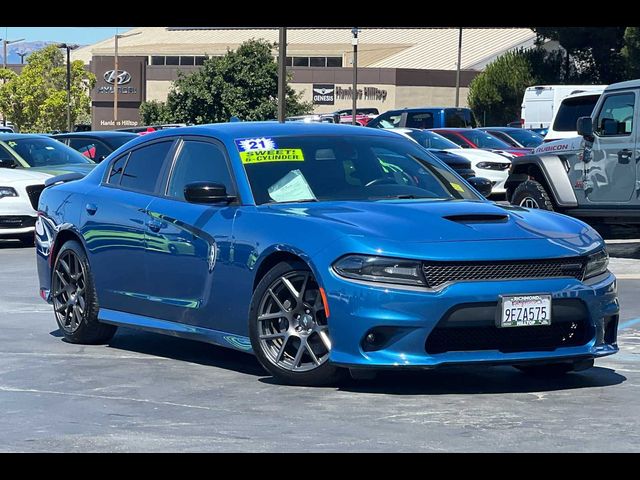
(473,138)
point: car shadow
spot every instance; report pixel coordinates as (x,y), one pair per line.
(7,244)
(184,350)
(479,380)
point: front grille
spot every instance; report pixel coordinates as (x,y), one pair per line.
(440,273)
(472,328)
(17,221)
(34,192)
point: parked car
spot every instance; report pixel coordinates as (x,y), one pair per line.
(95,145)
(475,138)
(4,129)
(144,129)
(359,111)
(516,137)
(438,145)
(593,176)
(424,118)
(320,248)
(26,162)
(563,124)
(541,101)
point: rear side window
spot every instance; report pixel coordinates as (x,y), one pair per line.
(420,120)
(459,118)
(571,109)
(144,165)
(616,115)
(115,174)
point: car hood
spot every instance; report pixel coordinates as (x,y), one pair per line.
(83,168)
(565,145)
(410,221)
(22,175)
(477,155)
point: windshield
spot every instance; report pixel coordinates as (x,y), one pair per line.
(526,138)
(349,167)
(571,109)
(432,140)
(45,152)
(483,140)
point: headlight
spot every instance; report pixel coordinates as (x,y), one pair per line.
(484,165)
(7,192)
(597,264)
(380,269)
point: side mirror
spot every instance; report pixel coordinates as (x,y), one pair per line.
(207,192)
(584,126)
(481,184)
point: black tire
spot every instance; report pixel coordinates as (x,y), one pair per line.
(321,375)
(555,369)
(87,330)
(532,194)
(27,240)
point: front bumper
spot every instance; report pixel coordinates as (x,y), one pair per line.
(497,178)
(16,225)
(358,309)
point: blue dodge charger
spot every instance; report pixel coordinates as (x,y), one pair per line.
(319,248)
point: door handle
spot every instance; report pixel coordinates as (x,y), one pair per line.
(624,155)
(91,208)
(154,225)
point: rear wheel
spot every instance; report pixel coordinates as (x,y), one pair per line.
(532,194)
(288,327)
(74,298)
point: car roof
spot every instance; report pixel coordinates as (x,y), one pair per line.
(451,129)
(501,129)
(422,109)
(16,136)
(232,130)
(96,134)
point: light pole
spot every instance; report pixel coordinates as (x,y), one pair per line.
(6,42)
(354,32)
(458,68)
(282,74)
(22,55)
(115,74)
(68,47)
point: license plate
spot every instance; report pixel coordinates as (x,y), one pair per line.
(525,310)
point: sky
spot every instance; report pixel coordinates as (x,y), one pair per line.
(79,35)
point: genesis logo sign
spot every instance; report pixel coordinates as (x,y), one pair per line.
(124,77)
(323,94)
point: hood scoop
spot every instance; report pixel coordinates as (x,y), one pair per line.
(477,218)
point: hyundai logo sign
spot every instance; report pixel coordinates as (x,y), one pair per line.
(123,77)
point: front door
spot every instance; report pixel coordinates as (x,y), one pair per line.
(188,244)
(610,166)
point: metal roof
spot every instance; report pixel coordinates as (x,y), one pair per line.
(421,48)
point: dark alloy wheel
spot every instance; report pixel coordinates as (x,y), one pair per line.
(532,194)
(74,298)
(289,329)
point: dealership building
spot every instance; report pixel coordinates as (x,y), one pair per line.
(397,68)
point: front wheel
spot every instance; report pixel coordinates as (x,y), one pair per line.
(532,194)
(75,302)
(288,327)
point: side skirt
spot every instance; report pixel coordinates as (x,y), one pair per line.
(181,330)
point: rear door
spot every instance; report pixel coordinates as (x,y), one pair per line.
(611,171)
(114,225)
(186,242)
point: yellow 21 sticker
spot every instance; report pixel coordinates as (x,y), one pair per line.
(277,155)
(457,187)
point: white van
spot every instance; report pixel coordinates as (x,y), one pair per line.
(541,101)
(571,108)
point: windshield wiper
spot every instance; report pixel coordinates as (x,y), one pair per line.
(399,197)
(306,200)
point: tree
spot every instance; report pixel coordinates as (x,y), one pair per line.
(242,83)
(36,100)
(154,112)
(496,93)
(631,51)
(596,50)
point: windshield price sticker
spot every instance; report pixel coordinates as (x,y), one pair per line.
(278,155)
(253,144)
(457,187)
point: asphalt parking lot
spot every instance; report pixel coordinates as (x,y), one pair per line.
(147,392)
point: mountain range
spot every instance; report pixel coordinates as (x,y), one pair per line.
(23,47)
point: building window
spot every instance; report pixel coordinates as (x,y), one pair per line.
(172,60)
(200,60)
(288,62)
(157,60)
(187,60)
(300,61)
(334,61)
(318,61)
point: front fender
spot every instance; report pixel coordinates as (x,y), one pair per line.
(554,173)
